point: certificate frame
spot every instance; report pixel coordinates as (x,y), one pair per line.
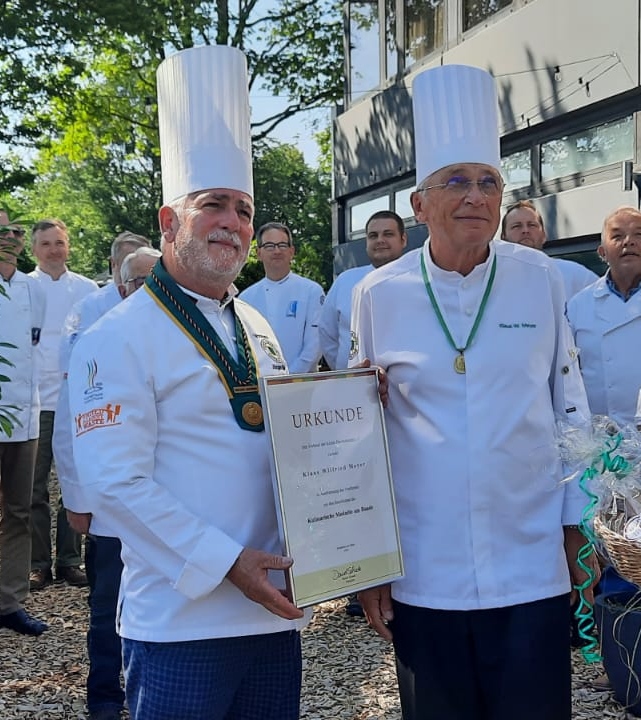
(332,482)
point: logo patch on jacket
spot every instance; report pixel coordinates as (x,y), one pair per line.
(271,349)
(94,389)
(101,417)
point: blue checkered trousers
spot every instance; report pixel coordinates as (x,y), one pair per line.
(257,677)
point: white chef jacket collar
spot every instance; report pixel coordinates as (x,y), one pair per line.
(434,271)
(45,276)
(281,281)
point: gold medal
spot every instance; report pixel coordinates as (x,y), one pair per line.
(459,360)
(252,413)
(459,364)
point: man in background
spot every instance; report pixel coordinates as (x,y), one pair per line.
(523,224)
(386,240)
(22,313)
(606,321)
(62,289)
(85,313)
(291,303)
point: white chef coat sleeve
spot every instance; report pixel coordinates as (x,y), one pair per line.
(114,436)
(77,321)
(310,353)
(361,327)
(568,395)
(72,496)
(329,328)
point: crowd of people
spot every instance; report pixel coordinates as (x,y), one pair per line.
(149,403)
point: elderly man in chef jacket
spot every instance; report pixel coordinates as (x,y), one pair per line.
(477,373)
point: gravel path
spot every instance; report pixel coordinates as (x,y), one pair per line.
(348,670)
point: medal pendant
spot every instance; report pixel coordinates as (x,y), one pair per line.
(459,364)
(252,413)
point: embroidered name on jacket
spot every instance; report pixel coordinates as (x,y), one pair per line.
(517,325)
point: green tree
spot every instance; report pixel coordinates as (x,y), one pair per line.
(99,197)
(57,60)
(287,190)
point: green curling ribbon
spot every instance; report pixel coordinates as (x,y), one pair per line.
(584,613)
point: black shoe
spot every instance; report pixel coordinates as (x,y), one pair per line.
(39,579)
(23,623)
(353,607)
(72,575)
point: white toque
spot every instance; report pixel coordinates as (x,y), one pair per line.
(455,119)
(204,121)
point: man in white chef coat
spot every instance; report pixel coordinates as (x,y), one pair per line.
(385,240)
(169,439)
(606,321)
(22,314)
(477,373)
(291,303)
(522,223)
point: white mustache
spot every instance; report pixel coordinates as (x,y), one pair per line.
(223,235)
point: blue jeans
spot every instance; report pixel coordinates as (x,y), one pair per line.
(104,568)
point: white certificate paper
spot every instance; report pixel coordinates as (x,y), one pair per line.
(332,482)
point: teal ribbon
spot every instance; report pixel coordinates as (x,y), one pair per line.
(584,613)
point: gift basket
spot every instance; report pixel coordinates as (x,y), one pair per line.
(608,463)
(615,485)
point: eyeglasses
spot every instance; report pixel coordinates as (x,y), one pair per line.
(137,281)
(17,232)
(270,246)
(460,186)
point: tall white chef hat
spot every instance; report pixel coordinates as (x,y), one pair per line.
(455,119)
(203,117)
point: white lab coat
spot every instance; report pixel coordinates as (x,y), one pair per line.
(292,307)
(474,457)
(607,332)
(61,294)
(181,485)
(22,313)
(335,319)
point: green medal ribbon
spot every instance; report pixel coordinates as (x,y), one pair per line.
(459,360)
(238,377)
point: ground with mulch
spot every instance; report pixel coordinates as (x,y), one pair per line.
(348,670)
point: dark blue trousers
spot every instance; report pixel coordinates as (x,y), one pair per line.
(257,677)
(104,568)
(496,664)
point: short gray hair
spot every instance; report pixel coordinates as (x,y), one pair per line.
(143,250)
(623,210)
(125,242)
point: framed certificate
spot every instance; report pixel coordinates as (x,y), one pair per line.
(332,482)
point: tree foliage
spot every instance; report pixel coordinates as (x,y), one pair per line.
(99,197)
(287,190)
(63,62)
